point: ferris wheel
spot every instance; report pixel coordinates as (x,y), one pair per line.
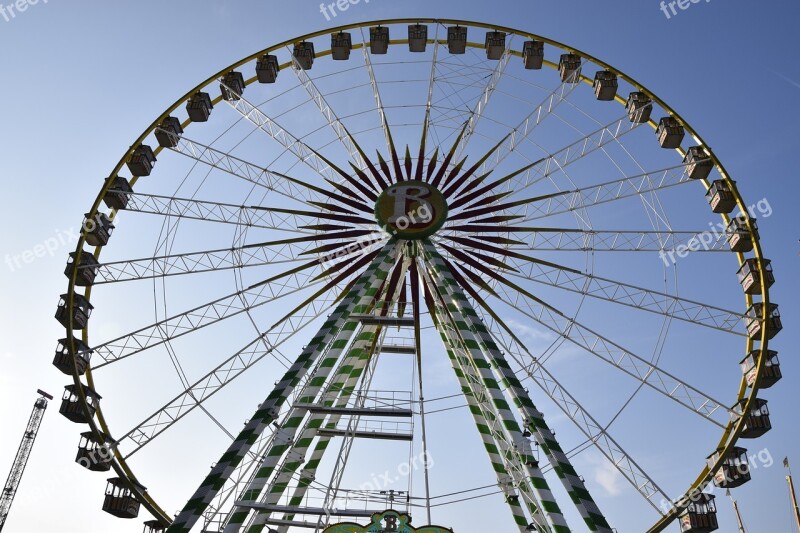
(438,244)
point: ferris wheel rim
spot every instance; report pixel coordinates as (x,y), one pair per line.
(747,393)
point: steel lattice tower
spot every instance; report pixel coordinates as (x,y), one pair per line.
(23,454)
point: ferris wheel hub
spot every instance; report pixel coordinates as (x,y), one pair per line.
(411,210)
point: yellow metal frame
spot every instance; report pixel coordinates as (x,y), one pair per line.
(732,431)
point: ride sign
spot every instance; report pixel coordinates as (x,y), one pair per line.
(411,210)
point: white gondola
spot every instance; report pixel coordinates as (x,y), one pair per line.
(700,516)
(569,67)
(720,197)
(118,194)
(232,86)
(533,55)
(734,470)
(417,37)
(379,40)
(81,311)
(670,133)
(771,373)
(639,107)
(739,237)
(605,85)
(63,359)
(119,500)
(169,132)
(267,68)
(457,39)
(495,45)
(341,45)
(756,318)
(749,275)
(72,406)
(142,161)
(199,107)
(756,420)
(87,267)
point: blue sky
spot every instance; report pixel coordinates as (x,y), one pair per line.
(83,79)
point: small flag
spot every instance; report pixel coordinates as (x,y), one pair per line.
(786,462)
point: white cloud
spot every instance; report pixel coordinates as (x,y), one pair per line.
(608,477)
(529,333)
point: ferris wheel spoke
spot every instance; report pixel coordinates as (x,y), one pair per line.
(533,239)
(662,241)
(284,251)
(529,268)
(189,263)
(329,115)
(214,381)
(376,93)
(560,159)
(530,123)
(570,200)
(304,153)
(184,208)
(337,217)
(464,198)
(257,295)
(608,351)
(426,124)
(483,102)
(444,112)
(281,184)
(632,296)
(459,80)
(463,313)
(475,210)
(639,368)
(604,193)
(576,151)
